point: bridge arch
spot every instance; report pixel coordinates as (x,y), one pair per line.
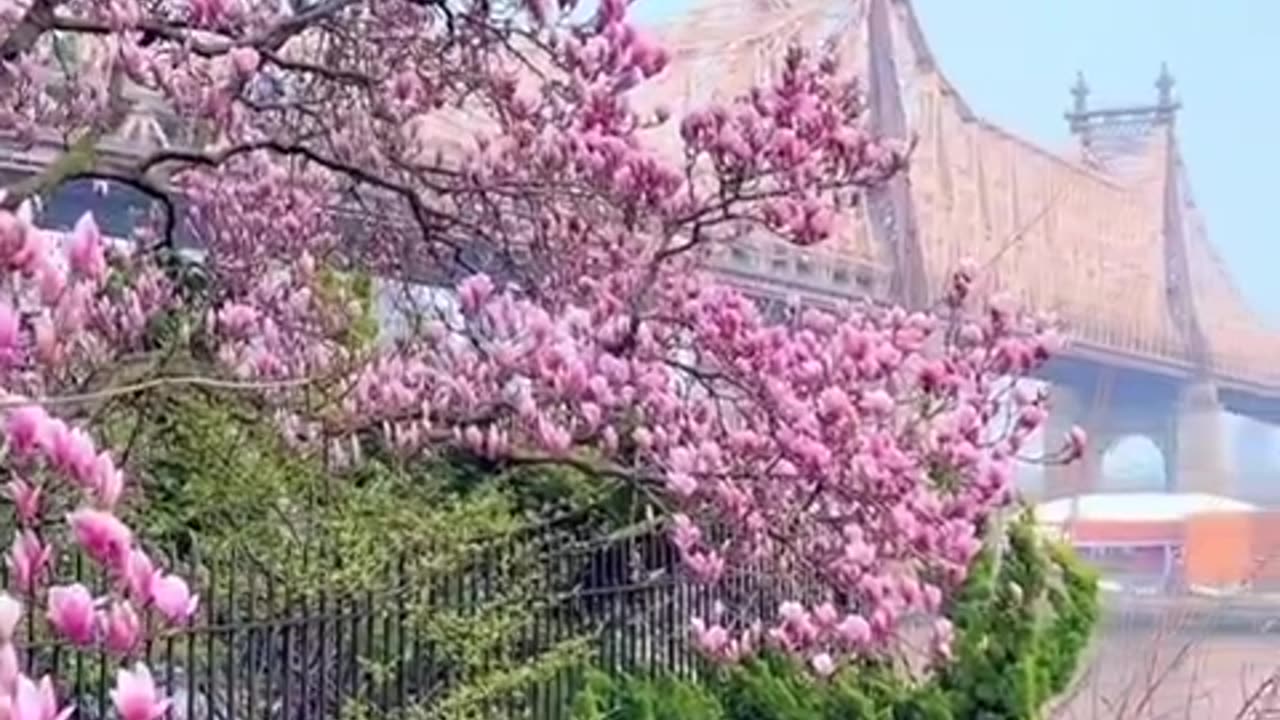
(1133,462)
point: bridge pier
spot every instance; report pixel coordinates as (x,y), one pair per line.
(1067,409)
(1184,422)
(1149,414)
(1202,464)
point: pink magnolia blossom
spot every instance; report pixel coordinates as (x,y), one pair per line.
(29,559)
(10,328)
(10,615)
(119,627)
(854,630)
(88,255)
(245,60)
(49,348)
(10,671)
(474,291)
(106,481)
(136,697)
(52,282)
(209,13)
(139,572)
(102,535)
(72,451)
(682,484)
(718,643)
(33,701)
(28,257)
(26,499)
(71,612)
(25,427)
(173,598)
(823,664)
(237,319)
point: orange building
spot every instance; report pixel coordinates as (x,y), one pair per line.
(1171,541)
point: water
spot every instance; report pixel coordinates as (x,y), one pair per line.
(1203,663)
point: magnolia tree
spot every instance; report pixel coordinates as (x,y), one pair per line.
(496,148)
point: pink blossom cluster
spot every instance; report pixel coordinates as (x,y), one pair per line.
(853,447)
(135,696)
(60,315)
(280,308)
(68,464)
(793,141)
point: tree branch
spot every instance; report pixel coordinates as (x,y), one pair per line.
(133,388)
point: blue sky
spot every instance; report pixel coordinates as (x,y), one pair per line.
(1015,59)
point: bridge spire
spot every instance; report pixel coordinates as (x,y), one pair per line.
(1166,106)
(1080,93)
(1079,113)
(1115,136)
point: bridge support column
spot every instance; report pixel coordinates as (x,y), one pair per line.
(1067,409)
(1202,464)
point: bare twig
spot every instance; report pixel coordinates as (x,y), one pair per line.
(154,383)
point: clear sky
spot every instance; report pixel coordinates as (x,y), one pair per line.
(1014,61)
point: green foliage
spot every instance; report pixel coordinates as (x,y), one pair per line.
(213,472)
(770,688)
(634,698)
(351,289)
(1022,622)
(482,696)
(439,545)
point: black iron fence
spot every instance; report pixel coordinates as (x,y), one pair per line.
(501,631)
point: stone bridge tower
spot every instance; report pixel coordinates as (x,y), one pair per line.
(1183,418)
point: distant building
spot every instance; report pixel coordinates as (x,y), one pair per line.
(1171,542)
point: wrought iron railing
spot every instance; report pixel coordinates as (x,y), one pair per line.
(262,648)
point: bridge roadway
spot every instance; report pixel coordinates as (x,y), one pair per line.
(1238,395)
(1142,380)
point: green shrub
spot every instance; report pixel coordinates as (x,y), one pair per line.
(770,688)
(635,698)
(1023,621)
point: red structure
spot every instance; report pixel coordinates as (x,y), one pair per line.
(1172,542)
